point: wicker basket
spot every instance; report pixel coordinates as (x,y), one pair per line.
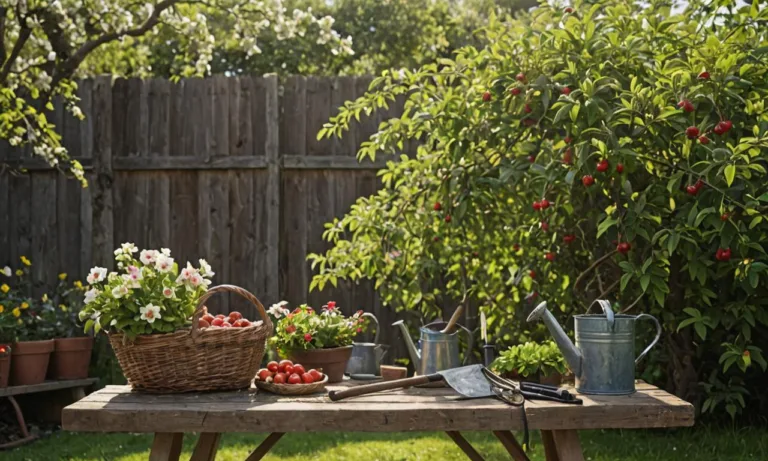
(293,389)
(196,360)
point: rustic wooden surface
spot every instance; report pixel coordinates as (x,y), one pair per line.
(117,409)
(226,168)
(47,386)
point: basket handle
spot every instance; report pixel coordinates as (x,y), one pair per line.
(227,289)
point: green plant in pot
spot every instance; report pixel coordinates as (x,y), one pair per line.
(72,347)
(316,340)
(541,362)
(23,324)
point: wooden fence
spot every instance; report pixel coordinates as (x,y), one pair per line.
(225,168)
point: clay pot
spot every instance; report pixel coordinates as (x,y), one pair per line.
(30,362)
(333,361)
(553,379)
(71,358)
(5,365)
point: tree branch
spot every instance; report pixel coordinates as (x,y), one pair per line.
(3,12)
(24,34)
(68,67)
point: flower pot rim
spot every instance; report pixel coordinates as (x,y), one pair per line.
(318,349)
(44,346)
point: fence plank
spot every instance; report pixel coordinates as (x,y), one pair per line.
(102,224)
(317,113)
(44,252)
(272,198)
(157,225)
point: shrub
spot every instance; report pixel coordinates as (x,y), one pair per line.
(619,150)
(531,359)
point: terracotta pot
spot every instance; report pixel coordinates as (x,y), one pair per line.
(71,358)
(30,362)
(553,379)
(5,365)
(333,361)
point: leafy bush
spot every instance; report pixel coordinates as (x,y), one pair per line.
(608,149)
(531,359)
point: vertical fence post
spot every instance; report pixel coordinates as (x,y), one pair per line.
(101,186)
(271,147)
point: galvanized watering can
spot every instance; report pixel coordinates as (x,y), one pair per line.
(437,351)
(366,357)
(603,359)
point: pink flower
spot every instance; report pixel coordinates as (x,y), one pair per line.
(331,304)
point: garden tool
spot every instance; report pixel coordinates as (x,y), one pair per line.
(603,359)
(488,349)
(437,351)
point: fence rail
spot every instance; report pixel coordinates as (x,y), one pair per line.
(225,168)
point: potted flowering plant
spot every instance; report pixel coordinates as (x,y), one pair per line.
(23,325)
(316,340)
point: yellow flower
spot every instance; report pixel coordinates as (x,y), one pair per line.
(63,276)
(45,297)
(5,288)
(78,284)
(24,305)
(26,261)
(16,312)
(2,308)
(19,272)
(63,307)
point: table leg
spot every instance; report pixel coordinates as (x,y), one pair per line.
(265,446)
(567,446)
(166,446)
(510,443)
(550,450)
(468,449)
(207,446)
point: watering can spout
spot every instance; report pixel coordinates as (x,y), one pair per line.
(569,351)
(414,353)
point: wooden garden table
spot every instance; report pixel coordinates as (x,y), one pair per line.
(169,417)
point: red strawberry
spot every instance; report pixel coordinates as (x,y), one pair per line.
(294,379)
(568,156)
(447,218)
(686,105)
(620,168)
(532,274)
(704,75)
(565,90)
(537,206)
(437,206)
(544,204)
(699,184)
(568,10)
(307,378)
(623,247)
(307,337)
(279,378)
(544,226)
(531,158)
(725,216)
(569,238)
(602,166)
(723,254)
(692,190)
(727,124)
(587,180)
(515,91)
(520,77)
(487,96)
(550,256)
(692,132)
(703,139)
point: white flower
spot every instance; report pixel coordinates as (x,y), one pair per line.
(7,271)
(129,248)
(150,312)
(133,277)
(91,295)
(205,268)
(168,292)
(277,310)
(52,56)
(96,275)
(113,322)
(148,256)
(164,263)
(119,291)
(315,320)
(165,251)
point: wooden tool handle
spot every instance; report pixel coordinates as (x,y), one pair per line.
(383,386)
(453,320)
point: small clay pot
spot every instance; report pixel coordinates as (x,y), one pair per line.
(71,358)
(5,365)
(29,363)
(389,373)
(332,361)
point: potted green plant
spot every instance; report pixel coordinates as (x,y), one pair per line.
(31,335)
(533,361)
(316,340)
(72,347)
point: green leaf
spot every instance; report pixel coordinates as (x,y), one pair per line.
(645,280)
(605,225)
(730,174)
(701,330)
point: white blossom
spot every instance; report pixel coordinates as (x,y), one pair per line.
(148,256)
(91,295)
(150,313)
(277,310)
(119,291)
(164,263)
(96,275)
(7,271)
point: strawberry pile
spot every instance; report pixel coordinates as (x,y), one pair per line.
(286,372)
(233,320)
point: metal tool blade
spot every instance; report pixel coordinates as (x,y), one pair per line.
(483,328)
(468,381)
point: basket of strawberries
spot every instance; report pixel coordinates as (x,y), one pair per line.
(288,378)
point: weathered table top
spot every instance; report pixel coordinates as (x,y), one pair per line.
(118,409)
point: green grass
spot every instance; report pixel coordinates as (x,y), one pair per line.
(700,444)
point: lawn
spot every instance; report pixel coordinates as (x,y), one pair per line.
(701,444)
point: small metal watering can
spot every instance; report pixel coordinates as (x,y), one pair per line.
(366,357)
(437,351)
(603,359)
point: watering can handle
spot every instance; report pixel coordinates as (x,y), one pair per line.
(608,311)
(655,340)
(376,321)
(470,343)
